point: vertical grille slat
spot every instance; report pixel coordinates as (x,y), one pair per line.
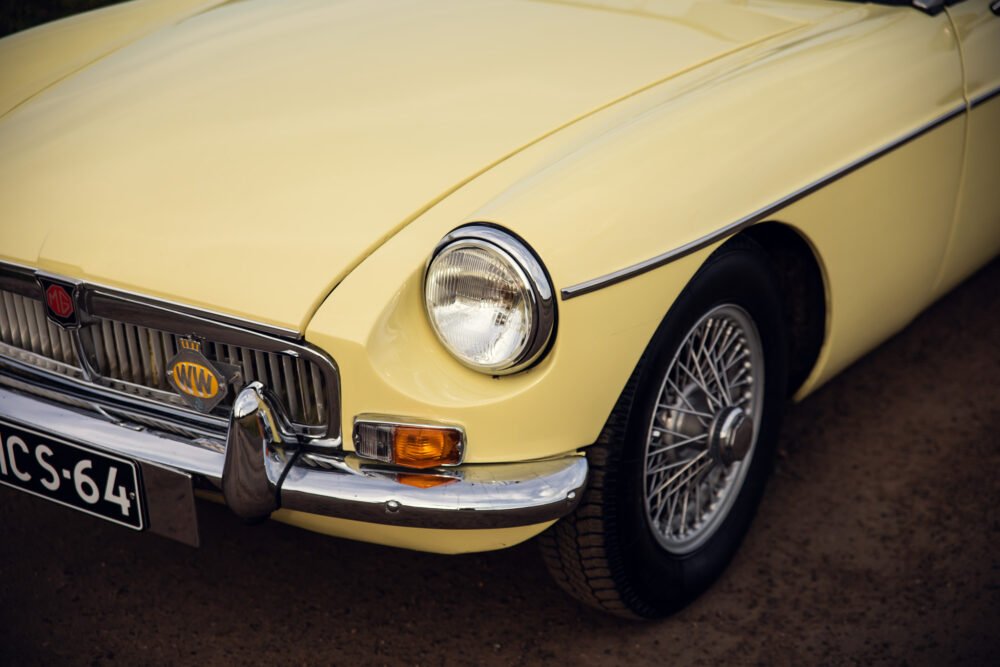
(97,345)
(34,336)
(302,380)
(229,355)
(41,324)
(121,350)
(66,344)
(318,394)
(259,367)
(134,355)
(149,374)
(13,331)
(57,349)
(108,334)
(15,324)
(6,321)
(291,399)
(274,376)
(133,358)
(157,360)
(24,338)
(246,364)
(169,347)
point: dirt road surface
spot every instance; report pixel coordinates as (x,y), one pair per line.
(878,542)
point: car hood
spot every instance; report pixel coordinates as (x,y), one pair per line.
(246,158)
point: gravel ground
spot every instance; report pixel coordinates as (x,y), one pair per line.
(877,543)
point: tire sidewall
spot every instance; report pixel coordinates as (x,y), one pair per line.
(662,582)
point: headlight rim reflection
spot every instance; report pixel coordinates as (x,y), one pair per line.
(520,260)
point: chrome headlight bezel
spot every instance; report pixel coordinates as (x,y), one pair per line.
(526,265)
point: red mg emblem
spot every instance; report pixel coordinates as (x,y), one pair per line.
(59,300)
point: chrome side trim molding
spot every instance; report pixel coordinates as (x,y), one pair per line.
(732,228)
(983,97)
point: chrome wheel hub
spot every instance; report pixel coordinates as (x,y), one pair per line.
(730,436)
(701,438)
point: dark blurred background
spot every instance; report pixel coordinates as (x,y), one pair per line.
(16,15)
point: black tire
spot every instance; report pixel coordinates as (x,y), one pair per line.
(605,553)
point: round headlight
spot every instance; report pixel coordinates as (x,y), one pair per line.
(489,300)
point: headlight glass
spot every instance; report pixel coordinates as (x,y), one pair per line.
(484,303)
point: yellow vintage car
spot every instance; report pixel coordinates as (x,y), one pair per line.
(449,275)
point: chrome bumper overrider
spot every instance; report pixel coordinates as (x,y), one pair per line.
(260,470)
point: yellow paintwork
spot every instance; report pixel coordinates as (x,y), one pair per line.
(36,59)
(975,235)
(418,539)
(288,140)
(299,166)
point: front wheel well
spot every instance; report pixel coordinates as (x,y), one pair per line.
(803,294)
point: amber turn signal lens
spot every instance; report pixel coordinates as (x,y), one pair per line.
(423,480)
(426,447)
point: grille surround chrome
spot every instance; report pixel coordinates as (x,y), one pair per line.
(79,371)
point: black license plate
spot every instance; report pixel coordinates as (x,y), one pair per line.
(85,479)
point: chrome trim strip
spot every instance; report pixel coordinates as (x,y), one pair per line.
(628,272)
(104,300)
(481,495)
(19,278)
(983,97)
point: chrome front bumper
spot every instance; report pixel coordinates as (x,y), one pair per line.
(259,470)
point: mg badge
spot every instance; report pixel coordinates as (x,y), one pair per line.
(60,302)
(194,377)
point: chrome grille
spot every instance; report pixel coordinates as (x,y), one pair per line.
(23,326)
(132,358)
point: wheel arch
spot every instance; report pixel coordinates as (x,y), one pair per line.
(803,293)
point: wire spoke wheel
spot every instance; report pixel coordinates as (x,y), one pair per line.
(678,471)
(704,428)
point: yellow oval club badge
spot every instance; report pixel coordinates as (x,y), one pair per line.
(195,380)
(194,377)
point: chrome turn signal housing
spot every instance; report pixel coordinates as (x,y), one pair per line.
(407,443)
